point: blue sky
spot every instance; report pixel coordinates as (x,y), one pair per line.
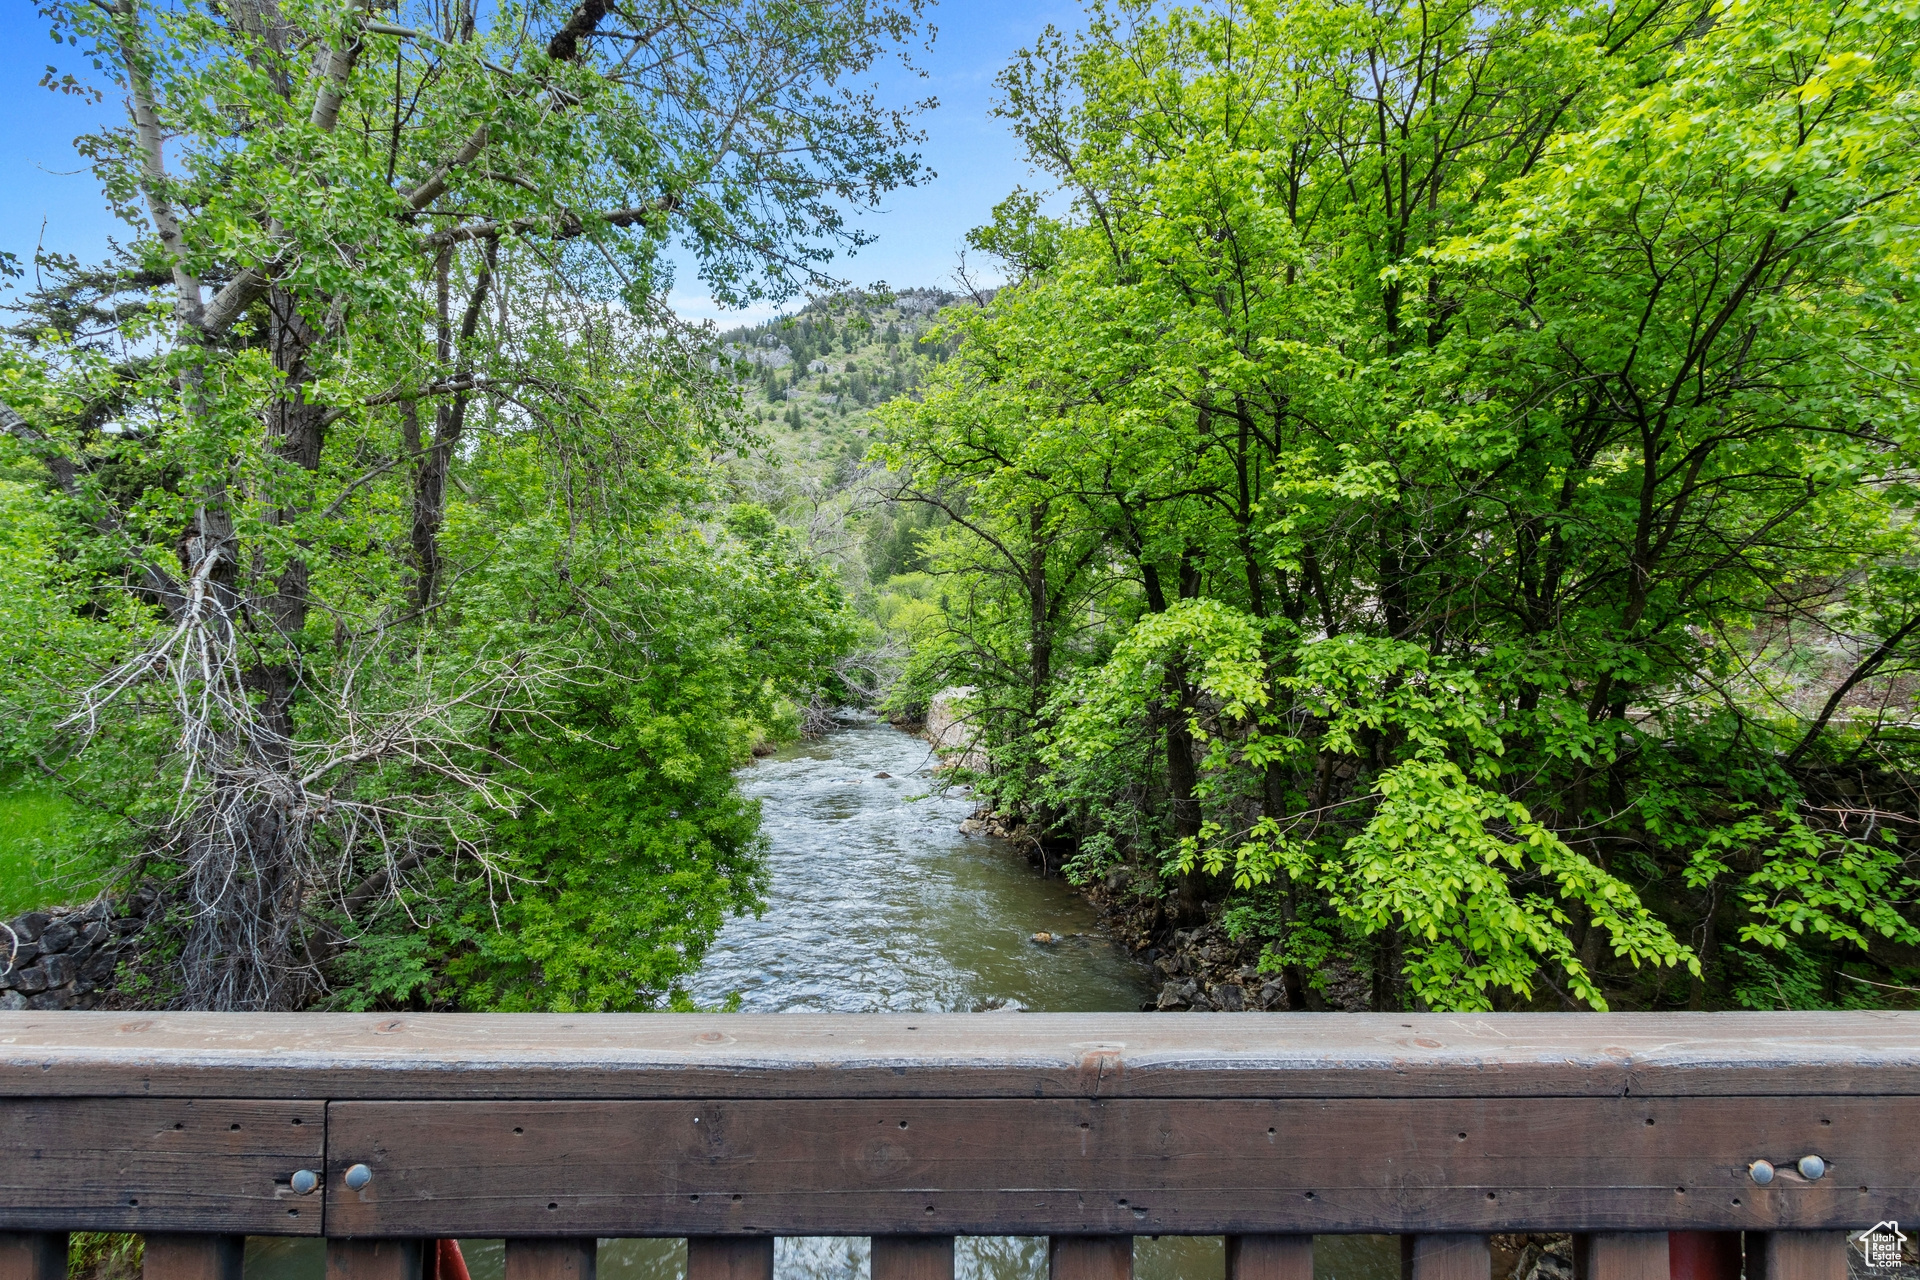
(51,198)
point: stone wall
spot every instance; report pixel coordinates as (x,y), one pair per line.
(66,957)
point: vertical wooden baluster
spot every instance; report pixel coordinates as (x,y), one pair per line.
(33,1255)
(1623,1255)
(1796,1255)
(1703,1255)
(729,1258)
(373,1260)
(569,1259)
(1269,1258)
(1090,1258)
(911,1258)
(1445,1257)
(170,1257)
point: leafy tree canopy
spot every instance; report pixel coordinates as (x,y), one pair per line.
(1446,470)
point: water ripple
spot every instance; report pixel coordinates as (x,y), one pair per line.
(878,903)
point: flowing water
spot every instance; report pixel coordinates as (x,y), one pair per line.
(878,902)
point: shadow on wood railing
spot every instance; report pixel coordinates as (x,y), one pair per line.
(381,1132)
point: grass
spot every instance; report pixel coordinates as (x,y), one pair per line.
(96,1255)
(31,874)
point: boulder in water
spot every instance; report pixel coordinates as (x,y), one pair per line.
(1044,938)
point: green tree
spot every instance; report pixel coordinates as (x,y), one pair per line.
(1519,396)
(386,246)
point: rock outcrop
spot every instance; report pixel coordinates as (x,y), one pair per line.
(955,739)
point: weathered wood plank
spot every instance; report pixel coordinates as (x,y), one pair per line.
(912,1258)
(33,1255)
(178,1257)
(1146,1166)
(150,1164)
(1797,1255)
(1622,1255)
(373,1259)
(738,1258)
(565,1259)
(1090,1258)
(1449,1256)
(1269,1258)
(347,1056)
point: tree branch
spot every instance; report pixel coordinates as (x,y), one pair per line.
(563,224)
(1873,662)
(565,45)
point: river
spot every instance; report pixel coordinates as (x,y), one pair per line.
(878,902)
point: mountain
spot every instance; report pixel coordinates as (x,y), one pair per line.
(814,381)
(813,378)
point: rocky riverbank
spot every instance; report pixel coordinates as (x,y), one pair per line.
(1200,969)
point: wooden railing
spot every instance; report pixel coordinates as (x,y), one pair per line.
(381,1132)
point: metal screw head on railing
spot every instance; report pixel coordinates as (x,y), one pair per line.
(1761,1171)
(358,1176)
(1812,1168)
(304,1182)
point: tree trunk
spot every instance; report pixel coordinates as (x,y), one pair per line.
(1388,987)
(1292,977)
(296,432)
(449,423)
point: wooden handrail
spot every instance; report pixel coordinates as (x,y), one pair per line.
(473,1056)
(1089,1128)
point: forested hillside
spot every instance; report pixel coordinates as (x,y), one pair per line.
(1436,495)
(812,384)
